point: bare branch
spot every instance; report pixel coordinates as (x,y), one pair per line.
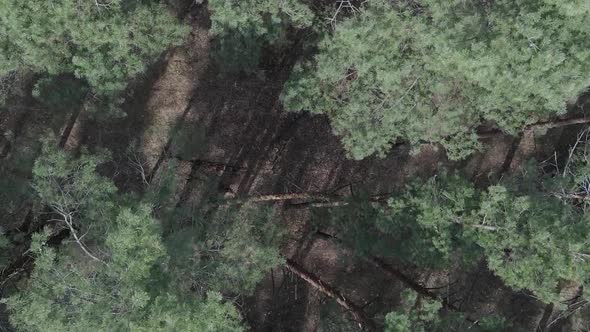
(67,219)
(570,311)
(102,4)
(583,134)
(342,4)
(485,227)
(138,165)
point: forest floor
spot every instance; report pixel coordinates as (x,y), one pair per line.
(232,129)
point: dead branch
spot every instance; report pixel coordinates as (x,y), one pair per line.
(317,200)
(356,311)
(485,227)
(135,160)
(560,123)
(573,308)
(68,220)
(102,4)
(389,270)
(582,138)
(322,204)
(342,4)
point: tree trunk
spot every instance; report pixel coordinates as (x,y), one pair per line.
(357,313)
(286,197)
(396,274)
(310,199)
(572,196)
(540,125)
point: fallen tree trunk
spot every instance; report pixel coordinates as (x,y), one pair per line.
(581,197)
(357,313)
(321,200)
(539,125)
(286,197)
(389,271)
(310,199)
(415,286)
(396,274)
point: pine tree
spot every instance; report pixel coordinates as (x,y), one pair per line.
(532,236)
(102,43)
(532,241)
(67,292)
(215,245)
(231,250)
(80,198)
(242,28)
(433,72)
(122,271)
(421,224)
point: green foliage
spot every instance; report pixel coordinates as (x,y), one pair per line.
(357,222)
(413,317)
(135,285)
(537,241)
(421,315)
(243,27)
(425,221)
(66,293)
(333,319)
(71,185)
(6,81)
(433,74)
(161,192)
(60,93)
(215,245)
(104,45)
(135,245)
(531,238)
(231,250)
(421,225)
(15,174)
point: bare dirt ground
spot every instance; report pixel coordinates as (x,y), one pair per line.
(233,129)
